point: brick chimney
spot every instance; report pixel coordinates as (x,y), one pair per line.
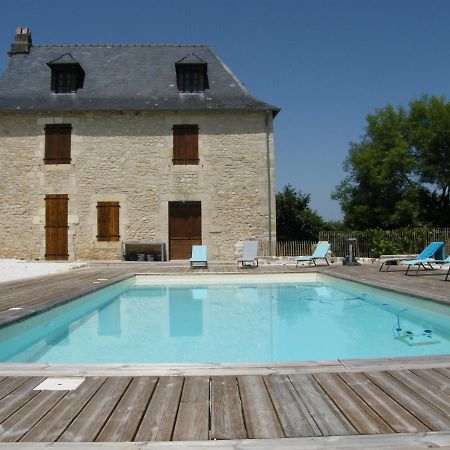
(22,41)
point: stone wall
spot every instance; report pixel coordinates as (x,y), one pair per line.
(127,157)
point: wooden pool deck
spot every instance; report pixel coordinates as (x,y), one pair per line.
(388,403)
(140,409)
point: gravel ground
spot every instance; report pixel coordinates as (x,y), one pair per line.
(15,269)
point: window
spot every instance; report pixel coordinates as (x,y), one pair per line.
(191,77)
(108,221)
(67,74)
(185,144)
(57,144)
(65,80)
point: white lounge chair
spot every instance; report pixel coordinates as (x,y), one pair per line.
(249,254)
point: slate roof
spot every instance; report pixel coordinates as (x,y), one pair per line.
(121,77)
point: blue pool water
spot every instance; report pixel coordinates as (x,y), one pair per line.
(230,319)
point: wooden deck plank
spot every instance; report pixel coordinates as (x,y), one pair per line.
(260,417)
(10,384)
(435,378)
(395,415)
(159,420)
(432,417)
(324,412)
(444,371)
(293,414)
(192,423)
(393,441)
(426,390)
(227,420)
(22,420)
(51,427)
(91,419)
(17,398)
(124,421)
(361,416)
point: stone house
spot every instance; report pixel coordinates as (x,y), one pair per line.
(102,145)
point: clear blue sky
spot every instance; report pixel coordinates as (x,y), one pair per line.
(325,63)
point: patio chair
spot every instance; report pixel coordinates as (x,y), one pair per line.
(432,254)
(319,253)
(249,254)
(199,256)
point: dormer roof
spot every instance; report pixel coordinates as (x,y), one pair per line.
(66,59)
(191,58)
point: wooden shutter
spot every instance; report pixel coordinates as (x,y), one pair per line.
(185,144)
(108,221)
(58,144)
(56,226)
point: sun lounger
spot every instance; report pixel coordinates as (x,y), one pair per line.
(393,261)
(319,253)
(435,249)
(199,256)
(447,264)
(249,254)
(432,254)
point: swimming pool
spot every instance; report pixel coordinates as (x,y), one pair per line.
(230,319)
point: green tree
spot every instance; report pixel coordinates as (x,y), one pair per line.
(379,191)
(399,173)
(295,219)
(429,123)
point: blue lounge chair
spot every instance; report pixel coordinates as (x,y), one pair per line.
(319,253)
(199,256)
(249,254)
(432,253)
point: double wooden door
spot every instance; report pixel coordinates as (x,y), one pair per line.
(185,228)
(56,226)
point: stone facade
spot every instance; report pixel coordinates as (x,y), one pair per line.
(127,157)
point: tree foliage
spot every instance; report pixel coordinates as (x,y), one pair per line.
(399,172)
(295,219)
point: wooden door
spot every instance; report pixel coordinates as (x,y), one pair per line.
(185,228)
(56,226)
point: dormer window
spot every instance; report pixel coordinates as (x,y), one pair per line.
(192,74)
(65,80)
(67,74)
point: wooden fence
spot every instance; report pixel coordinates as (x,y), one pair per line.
(369,244)
(292,248)
(373,243)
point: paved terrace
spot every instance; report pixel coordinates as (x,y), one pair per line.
(398,403)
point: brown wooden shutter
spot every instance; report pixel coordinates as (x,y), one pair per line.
(108,221)
(58,144)
(56,226)
(185,144)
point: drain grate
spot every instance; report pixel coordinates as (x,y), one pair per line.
(59,384)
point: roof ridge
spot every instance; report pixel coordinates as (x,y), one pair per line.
(123,45)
